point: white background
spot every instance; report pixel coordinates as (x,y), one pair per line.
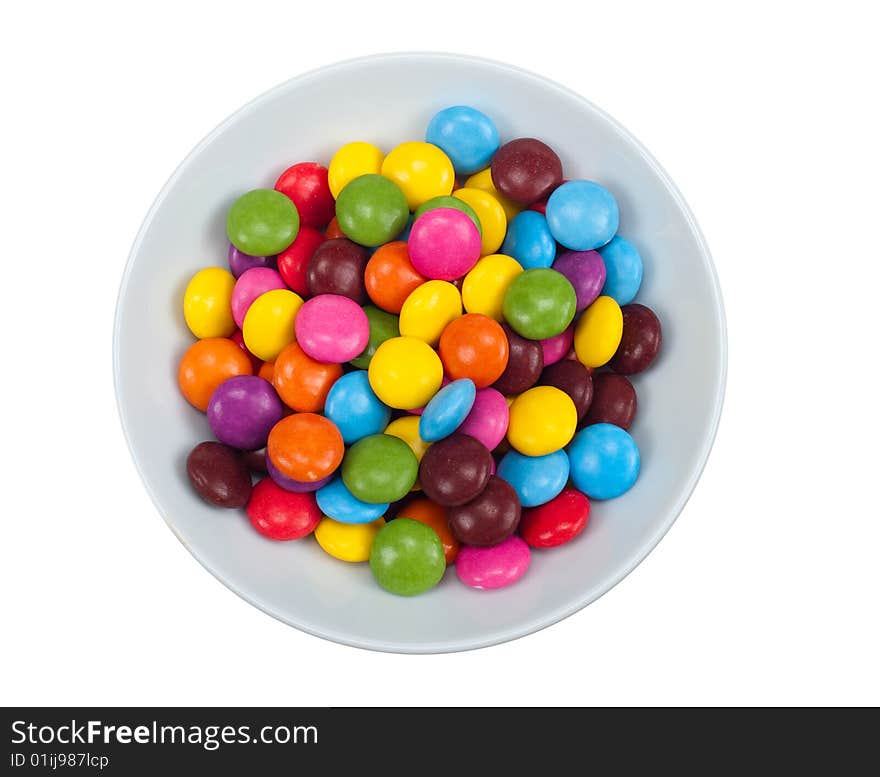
(766,589)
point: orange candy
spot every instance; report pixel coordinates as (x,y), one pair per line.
(206,365)
(390,277)
(474,346)
(301,382)
(333,229)
(267,371)
(305,447)
(431,514)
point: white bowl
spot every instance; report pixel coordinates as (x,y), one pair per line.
(389,99)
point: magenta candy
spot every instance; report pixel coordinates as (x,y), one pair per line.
(556,348)
(242,411)
(289,484)
(495,566)
(332,328)
(585,271)
(240,263)
(488,419)
(250,285)
(444,244)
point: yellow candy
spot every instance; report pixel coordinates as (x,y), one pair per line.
(421,170)
(542,420)
(405,372)
(347,541)
(407,429)
(484,286)
(491,216)
(428,309)
(207,303)
(268,323)
(352,161)
(483,182)
(598,332)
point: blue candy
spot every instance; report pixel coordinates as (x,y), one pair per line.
(468,137)
(447,410)
(536,479)
(582,215)
(355,409)
(604,461)
(529,240)
(337,502)
(623,270)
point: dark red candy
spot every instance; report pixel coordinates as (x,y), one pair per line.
(219,475)
(337,267)
(255,461)
(488,519)
(526,170)
(293,261)
(454,470)
(556,522)
(524,364)
(306,184)
(640,341)
(574,379)
(614,401)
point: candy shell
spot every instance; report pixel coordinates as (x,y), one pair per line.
(332,328)
(493,567)
(337,502)
(447,410)
(604,461)
(488,419)
(536,479)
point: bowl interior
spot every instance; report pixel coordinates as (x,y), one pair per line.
(387,100)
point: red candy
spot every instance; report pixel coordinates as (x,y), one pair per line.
(306,184)
(294,260)
(280,514)
(558,521)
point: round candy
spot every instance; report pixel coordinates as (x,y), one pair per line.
(293,261)
(488,419)
(524,364)
(243,410)
(371,210)
(582,215)
(207,301)
(542,420)
(467,136)
(332,328)
(219,475)
(493,567)
(267,371)
(305,447)
(250,285)
(558,521)
(382,326)
(486,284)
(289,484)
(623,266)
(526,170)
(444,244)
(493,222)
(529,240)
(448,201)
(421,170)
(574,379)
(405,372)
(380,468)
(268,324)
(406,428)
(483,182)
(585,271)
(489,518)
(604,461)
(447,410)
(206,364)
(306,184)
(354,407)
(556,348)
(352,161)
(536,479)
(597,332)
(431,514)
(336,501)
(303,382)
(455,469)
(614,401)
(428,310)
(282,515)
(337,267)
(407,557)
(240,262)
(540,303)
(262,222)
(639,341)
(474,346)
(390,277)
(347,541)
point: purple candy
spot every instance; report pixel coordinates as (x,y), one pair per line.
(243,410)
(289,484)
(585,271)
(240,262)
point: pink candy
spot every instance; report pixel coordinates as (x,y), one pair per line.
(332,328)
(555,348)
(488,419)
(250,285)
(495,566)
(444,244)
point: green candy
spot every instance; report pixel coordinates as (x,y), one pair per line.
(407,557)
(379,468)
(371,210)
(447,201)
(383,326)
(262,222)
(539,303)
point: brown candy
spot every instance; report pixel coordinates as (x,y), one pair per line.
(526,170)
(219,475)
(524,364)
(337,267)
(614,401)
(488,519)
(574,379)
(454,470)
(640,341)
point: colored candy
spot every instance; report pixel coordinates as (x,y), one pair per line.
(250,285)
(529,241)
(483,182)
(332,328)
(307,186)
(302,382)
(207,301)
(467,136)
(557,347)
(540,303)
(444,244)
(289,484)
(536,479)
(604,461)
(293,261)
(243,410)
(390,277)
(582,215)
(614,401)
(488,419)
(383,326)
(447,410)
(407,557)
(524,364)
(305,447)
(585,271)
(493,221)
(494,567)
(337,267)
(282,515)
(486,284)
(355,409)
(219,475)
(597,332)
(446,201)
(268,324)
(431,514)
(475,347)
(421,170)
(542,420)
(405,372)
(558,521)
(337,502)
(455,470)
(346,541)
(623,266)
(262,222)
(526,170)
(379,468)
(428,310)
(352,161)
(371,210)
(575,380)
(206,364)
(489,518)
(240,262)
(639,341)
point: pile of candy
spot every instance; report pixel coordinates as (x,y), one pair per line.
(410,360)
